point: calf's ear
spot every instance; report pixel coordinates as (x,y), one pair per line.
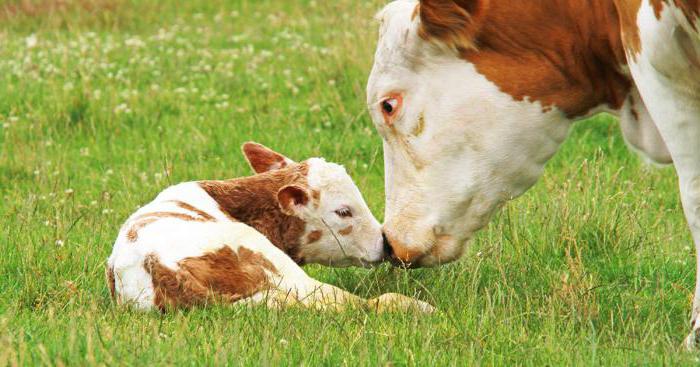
(292,199)
(455,23)
(263,159)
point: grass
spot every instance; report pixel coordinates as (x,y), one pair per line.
(105,103)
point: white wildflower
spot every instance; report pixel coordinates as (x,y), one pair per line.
(31,41)
(59,243)
(134,42)
(122,108)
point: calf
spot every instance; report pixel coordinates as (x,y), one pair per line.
(244,239)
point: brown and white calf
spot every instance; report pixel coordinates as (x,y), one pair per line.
(473,97)
(244,239)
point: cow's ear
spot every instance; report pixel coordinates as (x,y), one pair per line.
(263,159)
(455,23)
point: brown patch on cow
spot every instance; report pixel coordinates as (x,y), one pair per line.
(109,274)
(224,275)
(145,219)
(402,253)
(253,201)
(691,10)
(454,23)
(658,6)
(627,13)
(635,114)
(345,231)
(562,53)
(204,215)
(420,126)
(633,110)
(313,236)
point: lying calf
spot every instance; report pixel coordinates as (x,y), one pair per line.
(244,239)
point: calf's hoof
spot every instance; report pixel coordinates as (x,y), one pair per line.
(394,302)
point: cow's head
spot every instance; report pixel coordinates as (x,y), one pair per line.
(455,146)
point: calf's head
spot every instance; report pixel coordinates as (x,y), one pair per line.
(455,146)
(338,227)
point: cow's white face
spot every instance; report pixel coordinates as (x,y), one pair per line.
(455,147)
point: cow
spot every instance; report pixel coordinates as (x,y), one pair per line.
(473,97)
(242,241)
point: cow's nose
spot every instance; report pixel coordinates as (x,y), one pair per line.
(398,254)
(388,251)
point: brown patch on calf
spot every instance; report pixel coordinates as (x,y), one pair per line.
(145,219)
(224,275)
(253,201)
(313,236)
(204,215)
(263,159)
(316,198)
(416,12)
(562,53)
(345,231)
(133,234)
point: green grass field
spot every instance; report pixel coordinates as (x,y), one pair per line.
(105,103)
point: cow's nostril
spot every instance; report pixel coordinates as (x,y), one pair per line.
(388,251)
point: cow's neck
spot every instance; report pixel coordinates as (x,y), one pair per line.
(253,201)
(565,54)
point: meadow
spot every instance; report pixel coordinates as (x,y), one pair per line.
(104,103)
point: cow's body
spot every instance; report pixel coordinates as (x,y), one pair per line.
(472,97)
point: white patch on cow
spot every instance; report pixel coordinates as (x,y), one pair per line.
(478,147)
(363,246)
(640,132)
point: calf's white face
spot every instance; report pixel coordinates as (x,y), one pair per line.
(455,147)
(340,229)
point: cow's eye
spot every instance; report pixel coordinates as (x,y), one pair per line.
(344,212)
(390,105)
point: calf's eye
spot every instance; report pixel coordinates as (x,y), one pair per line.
(344,212)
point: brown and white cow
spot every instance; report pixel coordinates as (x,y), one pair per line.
(473,97)
(242,240)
